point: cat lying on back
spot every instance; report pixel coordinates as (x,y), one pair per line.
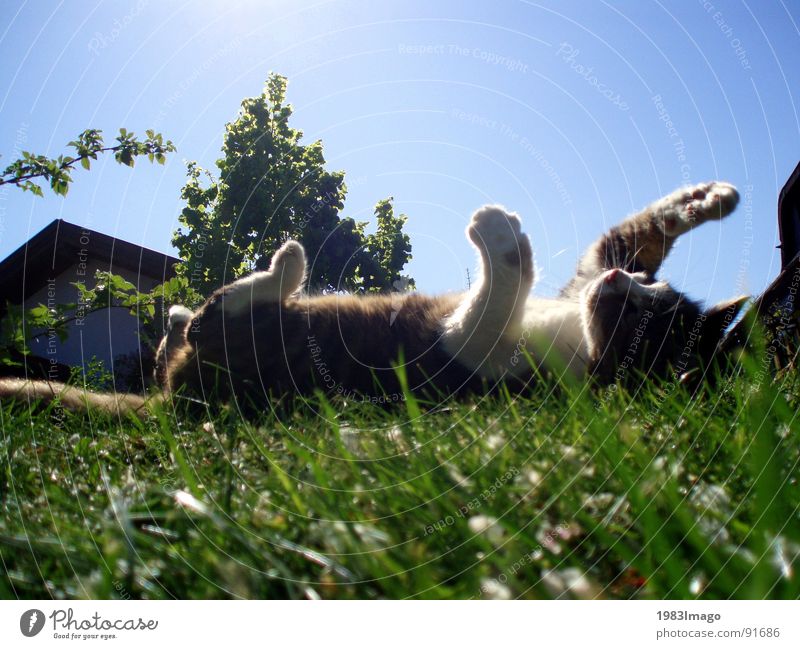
(259,337)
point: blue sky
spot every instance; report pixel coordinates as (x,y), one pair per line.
(555,109)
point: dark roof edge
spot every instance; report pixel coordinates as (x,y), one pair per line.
(63,229)
(61,244)
(789,217)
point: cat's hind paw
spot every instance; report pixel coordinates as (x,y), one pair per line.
(289,267)
(689,207)
(284,278)
(498,236)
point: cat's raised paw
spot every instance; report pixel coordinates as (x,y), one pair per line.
(284,277)
(498,236)
(691,206)
(494,230)
(289,263)
(178,315)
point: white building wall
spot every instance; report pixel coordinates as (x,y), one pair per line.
(104,334)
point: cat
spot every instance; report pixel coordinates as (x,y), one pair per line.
(454,343)
(260,338)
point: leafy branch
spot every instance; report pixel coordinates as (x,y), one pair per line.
(58,171)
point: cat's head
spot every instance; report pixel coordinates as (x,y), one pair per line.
(636,325)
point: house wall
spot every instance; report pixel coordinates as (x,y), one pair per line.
(104,334)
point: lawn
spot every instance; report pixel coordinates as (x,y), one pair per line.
(572,492)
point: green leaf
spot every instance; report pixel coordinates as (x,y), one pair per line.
(39,312)
(120,283)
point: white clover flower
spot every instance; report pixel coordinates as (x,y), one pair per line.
(569,583)
(495,442)
(534,477)
(493,589)
(488,527)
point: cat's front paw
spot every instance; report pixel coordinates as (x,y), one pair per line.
(691,206)
(498,234)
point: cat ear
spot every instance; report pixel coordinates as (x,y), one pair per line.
(720,316)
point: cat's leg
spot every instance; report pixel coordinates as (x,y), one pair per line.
(483,330)
(641,242)
(688,207)
(173,341)
(284,278)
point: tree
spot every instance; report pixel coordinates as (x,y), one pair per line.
(386,252)
(271,187)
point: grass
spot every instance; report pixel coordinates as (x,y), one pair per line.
(566,492)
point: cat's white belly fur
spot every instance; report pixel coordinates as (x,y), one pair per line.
(553,335)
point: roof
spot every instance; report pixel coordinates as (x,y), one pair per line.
(789,218)
(60,245)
